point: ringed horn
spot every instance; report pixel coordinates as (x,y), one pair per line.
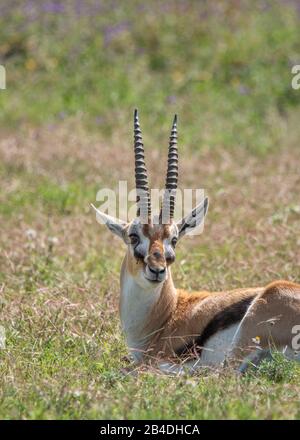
(168,205)
(141,178)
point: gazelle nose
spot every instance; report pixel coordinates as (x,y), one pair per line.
(157,270)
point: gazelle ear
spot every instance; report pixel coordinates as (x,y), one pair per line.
(193,220)
(116,226)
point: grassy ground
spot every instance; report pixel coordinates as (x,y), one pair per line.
(65,134)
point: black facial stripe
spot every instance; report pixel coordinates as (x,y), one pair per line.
(137,253)
(224,319)
(170,256)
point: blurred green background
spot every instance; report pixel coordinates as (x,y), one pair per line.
(224,66)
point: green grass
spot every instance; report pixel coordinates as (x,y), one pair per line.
(225,67)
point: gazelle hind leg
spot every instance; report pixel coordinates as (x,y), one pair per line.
(270,323)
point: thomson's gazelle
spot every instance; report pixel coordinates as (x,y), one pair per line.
(165,324)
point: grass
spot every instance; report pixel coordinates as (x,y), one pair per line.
(65,134)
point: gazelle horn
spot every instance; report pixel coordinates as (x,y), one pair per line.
(168,205)
(141,178)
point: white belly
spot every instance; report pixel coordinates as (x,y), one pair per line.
(218,347)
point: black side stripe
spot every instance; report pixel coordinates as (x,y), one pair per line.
(222,320)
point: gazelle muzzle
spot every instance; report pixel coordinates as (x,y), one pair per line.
(156,267)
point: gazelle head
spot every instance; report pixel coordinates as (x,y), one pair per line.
(151,242)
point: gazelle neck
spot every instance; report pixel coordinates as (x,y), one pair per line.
(144,310)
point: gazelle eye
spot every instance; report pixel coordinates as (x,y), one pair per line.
(134,239)
(174,241)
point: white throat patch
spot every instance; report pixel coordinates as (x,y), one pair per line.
(136,305)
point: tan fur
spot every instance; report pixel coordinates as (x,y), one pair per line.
(132,265)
